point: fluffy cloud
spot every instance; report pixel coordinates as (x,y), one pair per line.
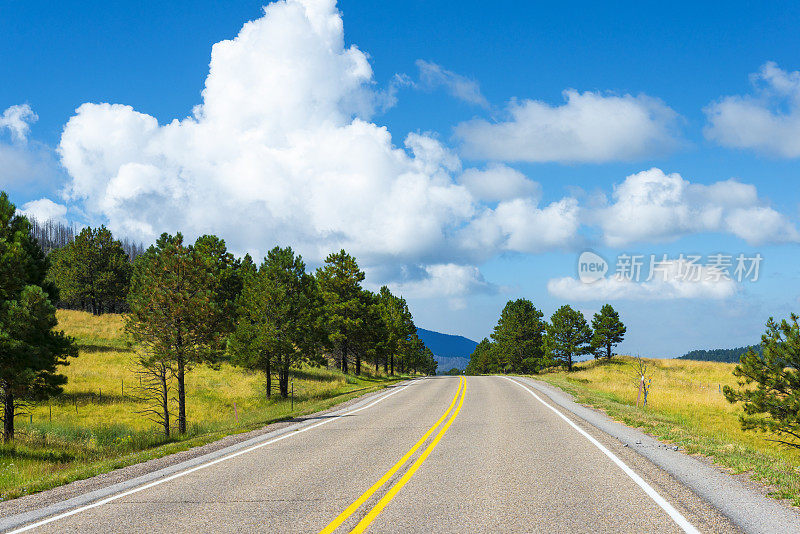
(653,206)
(45,209)
(498,182)
(671,282)
(520,225)
(18,120)
(24,164)
(447,280)
(281,150)
(768,121)
(432,76)
(589,127)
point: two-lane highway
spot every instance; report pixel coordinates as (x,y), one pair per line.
(444,454)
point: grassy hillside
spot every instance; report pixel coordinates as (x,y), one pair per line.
(93,427)
(686,407)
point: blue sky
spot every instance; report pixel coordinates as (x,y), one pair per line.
(682,67)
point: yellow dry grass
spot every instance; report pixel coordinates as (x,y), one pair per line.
(686,406)
(94,426)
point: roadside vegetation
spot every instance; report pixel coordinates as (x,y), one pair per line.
(96,426)
(686,407)
(202,336)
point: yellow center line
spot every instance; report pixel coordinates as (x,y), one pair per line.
(370,517)
(333,525)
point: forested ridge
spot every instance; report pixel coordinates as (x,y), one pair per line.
(720,355)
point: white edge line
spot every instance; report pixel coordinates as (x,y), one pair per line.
(648,489)
(198,467)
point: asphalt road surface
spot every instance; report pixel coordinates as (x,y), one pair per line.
(443,454)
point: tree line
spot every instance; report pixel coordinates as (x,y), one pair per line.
(196,303)
(191,304)
(90,269)
(523,342)
(720,355)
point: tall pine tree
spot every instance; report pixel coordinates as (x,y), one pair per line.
(174,310)
(339,282)
(769,383)
(518,337)
(278,325)
(568,336)
(608,331)
(30,351)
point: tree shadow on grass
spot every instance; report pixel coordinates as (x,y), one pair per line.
(92,348)
(10,452)
(83,398)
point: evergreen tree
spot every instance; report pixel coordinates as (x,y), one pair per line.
(518,337)
(372,338)
(428,363)
(30,351)
(92,271)
(608,331)
(399,326)
(339,282)
(772,404)
(568,336)
(174,310)
(483,359)
(278,327)
(226,271)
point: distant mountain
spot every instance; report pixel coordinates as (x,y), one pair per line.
(450,351)
(719,355)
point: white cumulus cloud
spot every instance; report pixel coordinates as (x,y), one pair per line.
(448,280)
(653,206)
(520,225)
(281,150)
(45,209)
(768,121)
(589,127)
(18,119)
(498,182)
(676,279)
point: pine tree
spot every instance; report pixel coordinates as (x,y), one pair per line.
(30,351)
(608,331)
(343,308)
(399,326)
(92,272)
(373,336)
(483,359)
(518,337)
(174,310)
(226,271)
(568,336)
(278,324)
(773,403)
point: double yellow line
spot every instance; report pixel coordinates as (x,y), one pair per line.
(381,504)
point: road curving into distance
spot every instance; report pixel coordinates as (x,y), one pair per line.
(443,454)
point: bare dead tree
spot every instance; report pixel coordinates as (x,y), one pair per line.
(641,369)
(154,390)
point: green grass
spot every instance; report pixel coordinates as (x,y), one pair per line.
(93,428)
(686,407)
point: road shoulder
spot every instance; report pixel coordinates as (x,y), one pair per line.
(746,507)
